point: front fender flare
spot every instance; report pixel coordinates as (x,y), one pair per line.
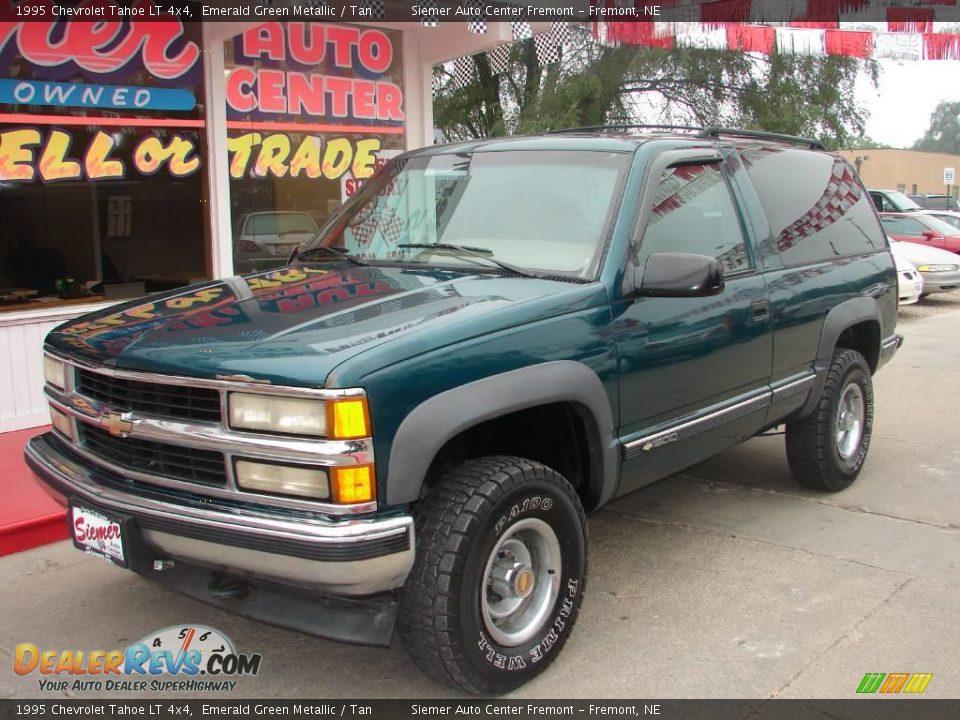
(432,423)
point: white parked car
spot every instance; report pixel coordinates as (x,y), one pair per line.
(909,282)
(940,269)
(266,238)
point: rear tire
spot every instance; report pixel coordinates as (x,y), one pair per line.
(499,576)
(826,449)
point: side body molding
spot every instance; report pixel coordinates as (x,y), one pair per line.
(843,316)
(429,426)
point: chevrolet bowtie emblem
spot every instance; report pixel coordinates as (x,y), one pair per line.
(116,425)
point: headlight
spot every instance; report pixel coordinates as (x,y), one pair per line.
(282,479)
(54,372)
(937,268)
(267,413)
(337,419)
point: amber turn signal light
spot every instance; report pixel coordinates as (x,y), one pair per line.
(353,484)
(348,419)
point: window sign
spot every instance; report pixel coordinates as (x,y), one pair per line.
(313,109)
(101,172)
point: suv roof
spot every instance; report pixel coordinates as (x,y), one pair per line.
(614,138)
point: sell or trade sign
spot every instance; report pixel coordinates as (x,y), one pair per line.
(276,73)
(311,156)
(29,154)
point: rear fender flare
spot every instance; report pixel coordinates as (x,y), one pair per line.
(845,315)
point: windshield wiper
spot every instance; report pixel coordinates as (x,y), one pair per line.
(333,250)
(482,253)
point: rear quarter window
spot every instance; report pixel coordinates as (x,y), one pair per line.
(816,205)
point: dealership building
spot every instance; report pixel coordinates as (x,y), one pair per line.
(141,156)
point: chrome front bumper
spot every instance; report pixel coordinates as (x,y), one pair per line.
(351,557)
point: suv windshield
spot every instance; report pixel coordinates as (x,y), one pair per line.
(542,211)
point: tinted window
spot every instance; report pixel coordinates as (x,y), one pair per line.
(693,212)
(816,206)
(903,226)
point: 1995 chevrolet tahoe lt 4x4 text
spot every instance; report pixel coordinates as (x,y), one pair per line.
(407,424)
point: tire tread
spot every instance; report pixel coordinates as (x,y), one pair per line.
(446,520)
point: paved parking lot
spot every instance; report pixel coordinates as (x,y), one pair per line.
(725,581)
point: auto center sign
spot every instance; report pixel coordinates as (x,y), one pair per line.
(316,70)
(312,100)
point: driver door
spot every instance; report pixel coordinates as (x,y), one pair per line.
(694,371)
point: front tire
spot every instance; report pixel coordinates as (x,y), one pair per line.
(499,576)
(826,449)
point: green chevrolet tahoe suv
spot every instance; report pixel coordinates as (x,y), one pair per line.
(405,426)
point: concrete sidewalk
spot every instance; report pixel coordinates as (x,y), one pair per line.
(726,581)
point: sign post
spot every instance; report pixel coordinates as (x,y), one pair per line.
(949,178)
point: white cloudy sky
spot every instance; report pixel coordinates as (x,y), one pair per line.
(908,91)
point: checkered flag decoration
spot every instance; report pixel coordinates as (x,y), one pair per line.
(547,51)
(430,6)
(374,6)
(521,30)
(500,58)
(463,70)
(562,34)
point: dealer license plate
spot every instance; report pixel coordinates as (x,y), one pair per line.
(97,534)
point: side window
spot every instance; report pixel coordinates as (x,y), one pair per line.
(902,226)
(878,202)
(693,212)
(817,207)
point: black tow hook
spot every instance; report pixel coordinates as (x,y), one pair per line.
(226,588)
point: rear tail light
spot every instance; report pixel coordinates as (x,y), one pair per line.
(247,246)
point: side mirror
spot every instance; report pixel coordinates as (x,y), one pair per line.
(930,235)
(679,275)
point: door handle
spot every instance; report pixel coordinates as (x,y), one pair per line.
(759,310)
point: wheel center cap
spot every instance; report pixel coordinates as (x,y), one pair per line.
(523,582)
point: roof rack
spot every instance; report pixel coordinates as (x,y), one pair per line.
(595,128)
(707,132)
(716,132)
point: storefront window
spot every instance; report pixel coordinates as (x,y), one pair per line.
(101,161)
(312,110)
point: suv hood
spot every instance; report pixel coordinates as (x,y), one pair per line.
(295,324)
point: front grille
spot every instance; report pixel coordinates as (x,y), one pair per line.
(171,461)
(173,401)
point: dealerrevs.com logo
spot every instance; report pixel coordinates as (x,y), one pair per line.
(183,658)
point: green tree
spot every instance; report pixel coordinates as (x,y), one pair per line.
(943,135)
(594,84)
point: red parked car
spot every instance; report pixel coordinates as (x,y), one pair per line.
(921,229)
